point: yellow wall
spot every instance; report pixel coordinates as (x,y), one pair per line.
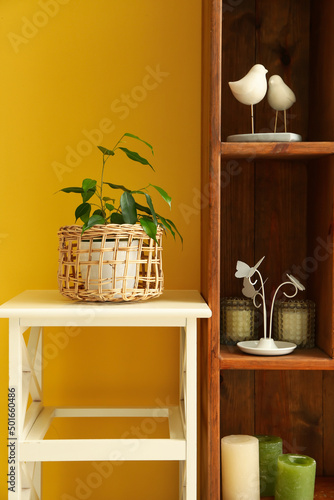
(71,67)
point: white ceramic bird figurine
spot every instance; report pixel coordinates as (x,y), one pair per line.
(252,88)
(280,97)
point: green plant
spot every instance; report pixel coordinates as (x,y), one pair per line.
(128,211)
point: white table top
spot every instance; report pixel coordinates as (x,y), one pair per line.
(46,303)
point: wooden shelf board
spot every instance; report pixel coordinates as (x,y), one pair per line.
(276,150)
(324,488)
(231,358)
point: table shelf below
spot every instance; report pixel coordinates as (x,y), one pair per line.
(37,447)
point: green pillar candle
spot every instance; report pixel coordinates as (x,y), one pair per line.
(270,448)
(295,477)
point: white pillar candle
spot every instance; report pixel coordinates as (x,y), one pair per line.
(240,467)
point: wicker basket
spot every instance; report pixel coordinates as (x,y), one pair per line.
(109,263)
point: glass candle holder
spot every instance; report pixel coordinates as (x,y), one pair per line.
(294,321)
(239,320)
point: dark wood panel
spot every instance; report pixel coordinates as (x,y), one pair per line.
(321,187)
(328,408)
(289,405)
(280,221)
(321,123)
(237,403)
(238,57)
(237,222)
(318,266)
(282,46)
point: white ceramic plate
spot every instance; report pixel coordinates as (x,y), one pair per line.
(249,347)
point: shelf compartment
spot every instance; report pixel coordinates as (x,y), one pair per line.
(36,448)
(231,358)
(275,150)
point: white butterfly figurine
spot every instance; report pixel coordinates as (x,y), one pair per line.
(244,271)
(248,289)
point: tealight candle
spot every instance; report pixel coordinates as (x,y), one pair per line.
(240,467)
(270,448)
(295,477)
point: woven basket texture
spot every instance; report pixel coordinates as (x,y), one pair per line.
(110,263)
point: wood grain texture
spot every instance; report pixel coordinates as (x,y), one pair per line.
(328,409)
(289,404)
(237,405)
(321,187)
(231,358)
(209,470)
(276,150)
(237,58)
(317,267)
(280,220)
(237,222)
(282,46)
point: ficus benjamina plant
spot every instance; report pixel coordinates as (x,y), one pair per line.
(134,205)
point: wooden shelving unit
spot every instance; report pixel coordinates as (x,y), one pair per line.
(272,199)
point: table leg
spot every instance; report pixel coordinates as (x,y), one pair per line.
(188,406)
(14,409)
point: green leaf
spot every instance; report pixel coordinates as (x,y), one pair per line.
(109,206)
(92,221)
(98,211)
(135,157)
(82,212)
(142,208)
(116,218)
(106,198)
(128,206)
(117,186)
(163,193)
(167,226)
(86,195)
(151,207)
(139,139)
(88,184)
(149,227)
(151,210)
(105,151)
(174,227)
(72,190)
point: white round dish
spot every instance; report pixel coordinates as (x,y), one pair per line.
(250,347)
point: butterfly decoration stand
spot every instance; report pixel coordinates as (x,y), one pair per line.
(266,346)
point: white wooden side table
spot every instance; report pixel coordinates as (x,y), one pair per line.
(27,449)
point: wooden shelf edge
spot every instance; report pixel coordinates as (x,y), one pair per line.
(275,150)
(231,358)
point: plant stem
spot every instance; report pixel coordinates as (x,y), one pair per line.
(101,187)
